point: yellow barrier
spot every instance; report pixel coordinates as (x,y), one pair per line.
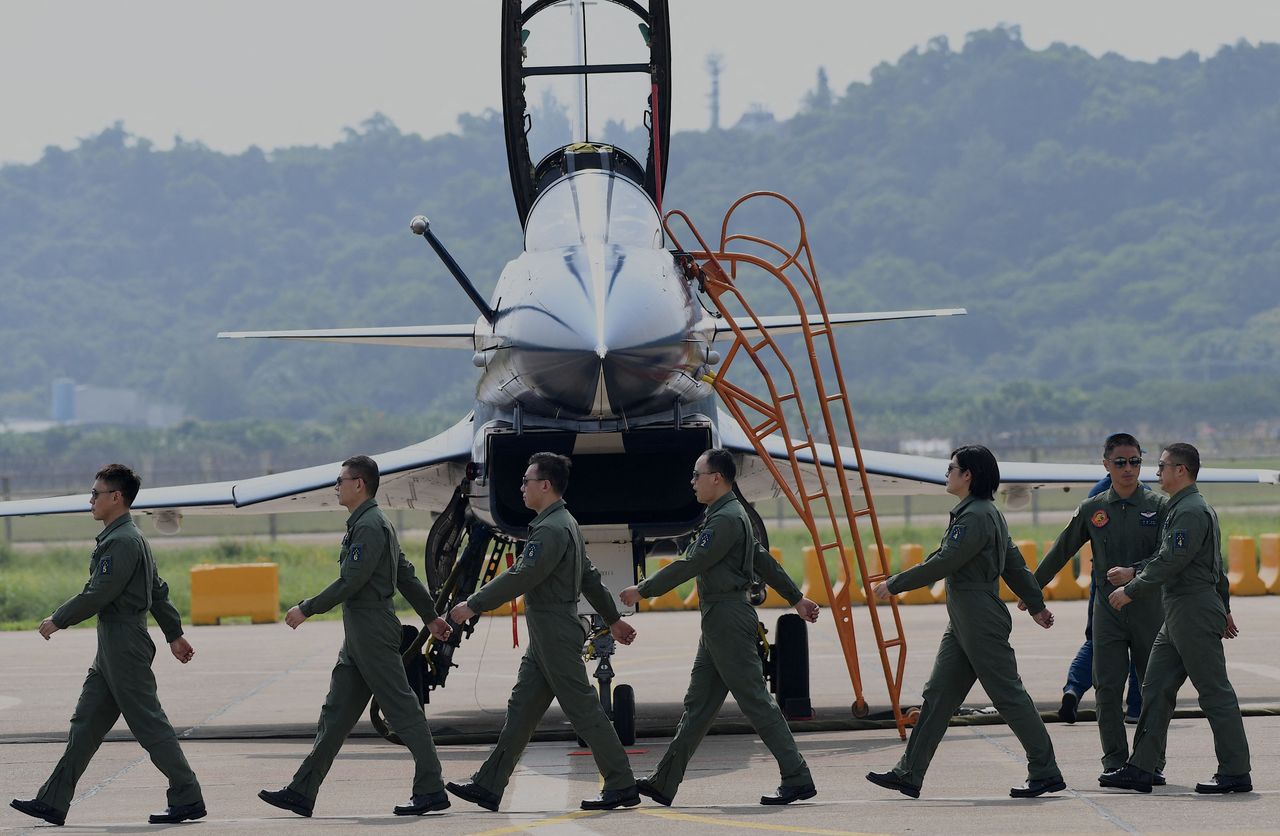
(1084,578)
(505,609)
(912,554)
(669,600)
(772,599)
(1269,557)
(235,590)
(1242,563)
(858,595)
(1030,555)
(1064,586)
(813,587)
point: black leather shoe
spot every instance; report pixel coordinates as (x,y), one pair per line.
(476,794)
(1128,777)
(39,810)
(1038,787)
(287,799)
(1157,779)
(785,794)
(613,799)
(648,790)
(182,812)
(892,781)
(1220,784)
(1067,711)
(420,804)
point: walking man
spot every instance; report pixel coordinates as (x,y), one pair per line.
(1122,524)
(1197,617)
(373,568)
(724,556)
(552,573)
(123,587)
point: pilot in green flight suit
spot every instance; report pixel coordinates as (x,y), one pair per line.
(551,574)
(373,568)
(724,556)
(1197,617)
(1123,525)
(123,586)
(974,554)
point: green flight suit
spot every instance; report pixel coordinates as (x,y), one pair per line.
(1123,533)
(552,572)
(975,553)
(373,569)
(1196,598)
(723,556)
(123,586)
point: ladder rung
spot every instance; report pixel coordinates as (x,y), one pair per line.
(756,348)
(790,396)
(838,396)
(826,546)
(862,512)
(821,332)
(812,497)
(888,643)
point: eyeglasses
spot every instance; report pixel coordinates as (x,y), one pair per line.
(524,480)
(337,483)
(698,473)
(94,493)
(1162,465)
(1132,461)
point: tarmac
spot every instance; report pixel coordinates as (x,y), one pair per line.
(246,707)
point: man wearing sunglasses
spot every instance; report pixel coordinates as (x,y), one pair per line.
(1187,575)
(373,568)
(1122,524)
(123,587)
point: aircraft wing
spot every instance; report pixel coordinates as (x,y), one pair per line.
(778,325)
(422,477)
(900,474)
(412,336)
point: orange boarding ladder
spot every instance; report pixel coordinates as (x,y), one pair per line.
(805,484)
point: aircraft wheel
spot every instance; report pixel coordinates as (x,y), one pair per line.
(861,710)
(380,724)
(624,714)
(912,715)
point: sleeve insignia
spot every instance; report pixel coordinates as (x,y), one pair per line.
(1180,538)
(705,538)
(356,553)
(530,553)
(1099,518)
(956,534)
(104,565)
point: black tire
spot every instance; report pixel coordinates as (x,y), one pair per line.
(624,714)
(791,667)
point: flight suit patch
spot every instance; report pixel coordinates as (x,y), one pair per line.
(956,534)
(356,553)
(1147,518)
(705,538)
(530,553)
(1180,539)
(1099,518)
(104,565)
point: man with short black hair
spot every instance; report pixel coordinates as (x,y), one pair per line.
(1122,524)
(552,572)
(373,569)
(123,587)
(724,556)
(1187,572)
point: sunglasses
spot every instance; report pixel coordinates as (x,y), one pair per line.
(1132,461)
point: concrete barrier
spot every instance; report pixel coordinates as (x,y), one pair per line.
(1030,555)
(669,600)
(1242,567)
(1269,558)
(857,594)
(912,555)
(235,590)
(772,599)
(1063,586)
(814,588)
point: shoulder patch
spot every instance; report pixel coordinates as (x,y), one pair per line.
(530,553)
(956,534)
(705,538)
(1180,538)
(104,565)
(1099,518)
(356,553)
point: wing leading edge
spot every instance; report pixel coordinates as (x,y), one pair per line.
(411,336)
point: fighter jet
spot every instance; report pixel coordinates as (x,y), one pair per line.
(594,343)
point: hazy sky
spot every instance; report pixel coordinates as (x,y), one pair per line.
(273,73)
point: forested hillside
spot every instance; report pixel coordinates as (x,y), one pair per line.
(1113,228)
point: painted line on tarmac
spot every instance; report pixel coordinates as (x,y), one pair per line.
(693,818)
(517,828)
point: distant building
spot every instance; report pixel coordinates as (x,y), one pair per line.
(937,447)
(82,403)
(759,119)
